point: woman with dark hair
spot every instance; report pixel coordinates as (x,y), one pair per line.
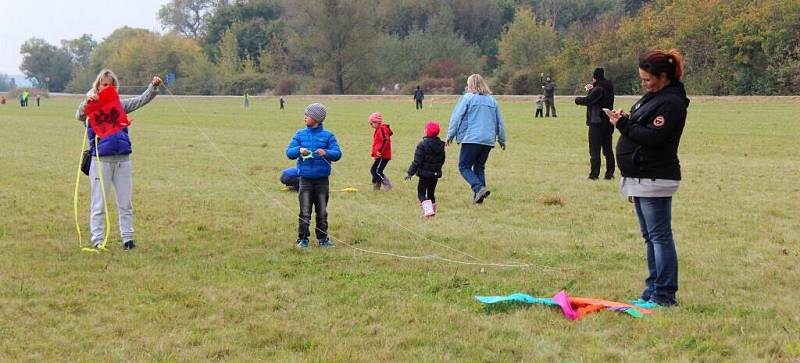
(647,156)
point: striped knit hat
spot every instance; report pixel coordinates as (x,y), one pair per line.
(317,111)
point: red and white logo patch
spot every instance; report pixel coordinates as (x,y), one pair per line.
(659,121)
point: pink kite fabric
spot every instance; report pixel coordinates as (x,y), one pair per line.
(562,299)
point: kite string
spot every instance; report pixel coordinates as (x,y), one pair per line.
(77,185)
(338,240)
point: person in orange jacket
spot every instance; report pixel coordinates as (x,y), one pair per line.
(381,151)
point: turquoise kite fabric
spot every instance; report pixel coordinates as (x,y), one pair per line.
(572,307)
(517,297)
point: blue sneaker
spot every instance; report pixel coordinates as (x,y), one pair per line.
(326,243)
(129,245)
(302,243)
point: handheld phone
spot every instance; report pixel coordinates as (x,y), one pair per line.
(606,110)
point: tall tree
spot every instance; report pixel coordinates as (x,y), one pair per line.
(80,50)
(527,43)
(45,64)
(187,17)
(341,34)
(229,62)
(5,83)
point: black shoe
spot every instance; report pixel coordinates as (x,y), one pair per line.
(592,178)
(129,245)
(608,177)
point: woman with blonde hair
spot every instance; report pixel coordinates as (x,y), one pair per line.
(476,124)
(114,153)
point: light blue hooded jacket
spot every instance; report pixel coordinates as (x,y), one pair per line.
(476,120)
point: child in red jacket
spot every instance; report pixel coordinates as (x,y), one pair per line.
(381,151)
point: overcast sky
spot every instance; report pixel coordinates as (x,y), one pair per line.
(54,20)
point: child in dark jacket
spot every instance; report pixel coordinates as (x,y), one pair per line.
(428,160)
(381,151)
(315,148)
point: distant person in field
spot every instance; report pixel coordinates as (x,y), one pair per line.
(246,100)
(2,100)
(381,151)
(600,95)
(114,152)
(38,99)
(549,88)
(21,100)
(427,165)
(476,124)
(647,155)
(315,149)
(281,101)
(418,97)
(539,106)
(26,96)
(290,177)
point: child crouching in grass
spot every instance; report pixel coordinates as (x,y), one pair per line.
(428,160)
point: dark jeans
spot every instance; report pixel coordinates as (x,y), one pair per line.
(538,113)
(426,189)
(292,182)
(313,192)
(472,163)
(549,104)
(377,170)
(655,222)
(419,104)
(600,138)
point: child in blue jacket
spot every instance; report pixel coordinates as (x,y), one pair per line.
(314,148)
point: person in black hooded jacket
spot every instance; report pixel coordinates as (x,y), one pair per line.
(601,95)
(428,160)
(647,156)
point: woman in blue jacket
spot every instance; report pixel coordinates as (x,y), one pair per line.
(476,124)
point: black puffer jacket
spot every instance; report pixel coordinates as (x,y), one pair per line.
(428,158)
(601,96)
(648,146)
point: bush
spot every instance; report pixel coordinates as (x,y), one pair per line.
(444,68)
(14,93)
(252,83)
(284,87)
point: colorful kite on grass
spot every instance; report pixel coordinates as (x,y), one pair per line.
(106,115)
(573,307)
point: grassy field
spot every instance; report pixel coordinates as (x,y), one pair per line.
(216,276)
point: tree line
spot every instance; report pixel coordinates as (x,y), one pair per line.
(733,47)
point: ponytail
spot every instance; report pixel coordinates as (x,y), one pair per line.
(656,62)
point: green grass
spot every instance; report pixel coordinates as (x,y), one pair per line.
(216,276)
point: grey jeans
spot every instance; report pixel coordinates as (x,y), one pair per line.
(116,174)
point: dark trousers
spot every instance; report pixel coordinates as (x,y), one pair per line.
(472,163)
(538,113)
(426,189)
(281,105)
(550,104)
(293,182)
(419,104)
(600,138)
(655,223)
(313,192)
(377,170)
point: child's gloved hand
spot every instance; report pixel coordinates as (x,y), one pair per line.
(408,177)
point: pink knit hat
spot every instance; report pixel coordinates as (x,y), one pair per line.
(432,129)
(376,117)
